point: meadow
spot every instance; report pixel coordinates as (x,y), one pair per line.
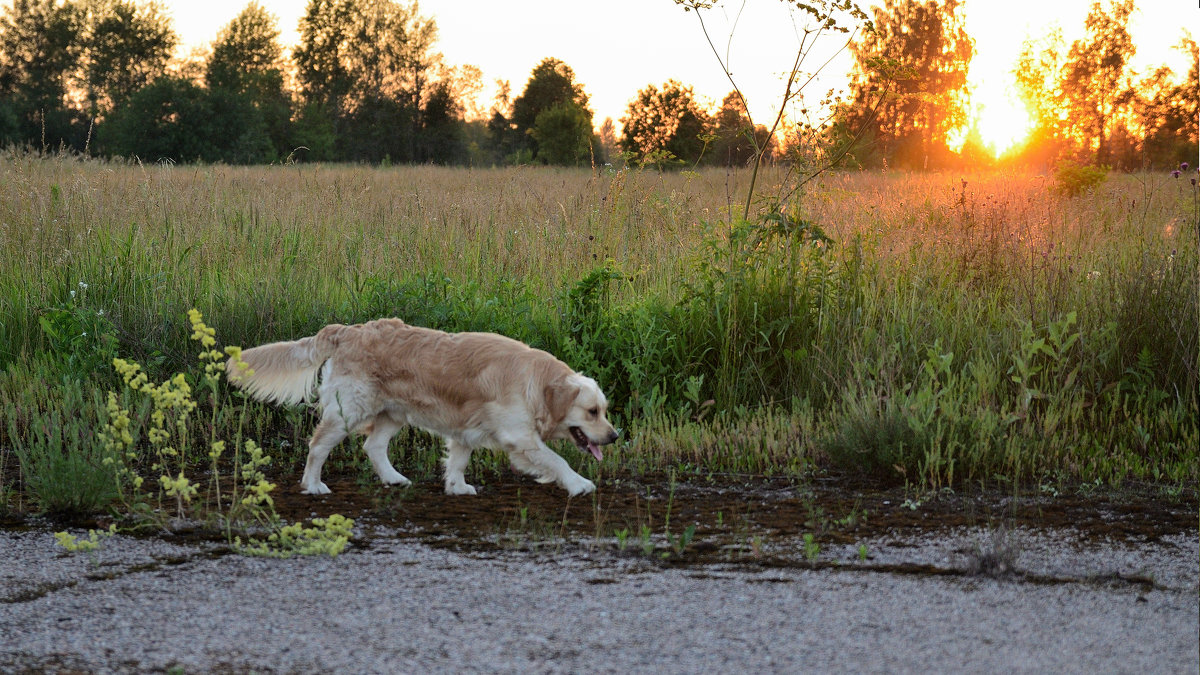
(924,329)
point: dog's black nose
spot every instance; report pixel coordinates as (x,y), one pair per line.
(612,438)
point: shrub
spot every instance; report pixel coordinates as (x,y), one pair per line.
(1073,179)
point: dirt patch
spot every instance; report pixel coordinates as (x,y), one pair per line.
(722,517)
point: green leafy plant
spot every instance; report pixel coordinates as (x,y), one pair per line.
(622,538)
(327,536)
(647,542)
(680,542)
(812,550)
(1072,179)
(80,336)
(62,467)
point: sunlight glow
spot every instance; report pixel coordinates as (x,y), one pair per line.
(1003,121)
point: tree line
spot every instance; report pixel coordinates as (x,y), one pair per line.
(365,83)
(908,91)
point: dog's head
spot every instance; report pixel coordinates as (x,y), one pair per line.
(579,411)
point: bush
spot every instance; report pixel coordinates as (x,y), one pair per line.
(1073,179)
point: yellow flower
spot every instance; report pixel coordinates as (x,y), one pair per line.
(178,487)
(203,334)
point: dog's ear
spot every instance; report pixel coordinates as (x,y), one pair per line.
(559,395)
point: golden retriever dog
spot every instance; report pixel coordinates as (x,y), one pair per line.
(473,389)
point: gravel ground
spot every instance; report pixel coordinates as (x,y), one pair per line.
(140,605)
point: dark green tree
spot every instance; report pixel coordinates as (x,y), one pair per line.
(563,134)
(665,126)
(551,85)
(736,139)
(919,53)
(370,65)
(39,52)
(126,45)
(178,120)
(247,62)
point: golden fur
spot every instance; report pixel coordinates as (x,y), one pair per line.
(473,389)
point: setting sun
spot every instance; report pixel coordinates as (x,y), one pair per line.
(1003,121)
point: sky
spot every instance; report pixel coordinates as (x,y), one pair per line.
(617,47)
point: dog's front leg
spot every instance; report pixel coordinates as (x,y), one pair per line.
(551,465)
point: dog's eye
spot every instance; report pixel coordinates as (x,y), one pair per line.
(594,411)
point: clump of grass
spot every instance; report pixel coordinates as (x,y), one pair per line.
(997,558)
(52,434)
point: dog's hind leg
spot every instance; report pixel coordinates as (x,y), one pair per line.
(334,426)
(376,445)
(457,457)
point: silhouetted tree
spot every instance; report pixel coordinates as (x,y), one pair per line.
(247,62)
(919,53)
(369,64)
(1168,112)
(551,85)
(665,126)
(1095,83)
(39,53)
(736,139)
(126,45)
(1082,97)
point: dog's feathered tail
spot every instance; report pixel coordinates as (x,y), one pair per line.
(284,372)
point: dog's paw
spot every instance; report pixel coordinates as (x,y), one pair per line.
(318,489)
(396,478)
(460,489)
(582,487)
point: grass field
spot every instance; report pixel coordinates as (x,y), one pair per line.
(925,328)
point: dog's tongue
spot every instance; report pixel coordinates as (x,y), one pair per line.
(595,450)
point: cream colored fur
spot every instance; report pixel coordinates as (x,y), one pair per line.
(473,389)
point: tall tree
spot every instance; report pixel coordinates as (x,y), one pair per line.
(353,50)
(551,85)
(247,62)
(1167,111)
(920,50)
(246,46)
(39,49)
(665,126)
(1037,74)
(737,140)
(1082,96)
(370,65)
(1095,82)
(563,134)
(125,47)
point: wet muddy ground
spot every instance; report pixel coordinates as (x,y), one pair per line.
(656,574)
(757,521)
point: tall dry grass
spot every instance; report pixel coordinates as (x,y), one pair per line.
(958,326)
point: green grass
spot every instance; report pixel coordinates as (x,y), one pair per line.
(931,328)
